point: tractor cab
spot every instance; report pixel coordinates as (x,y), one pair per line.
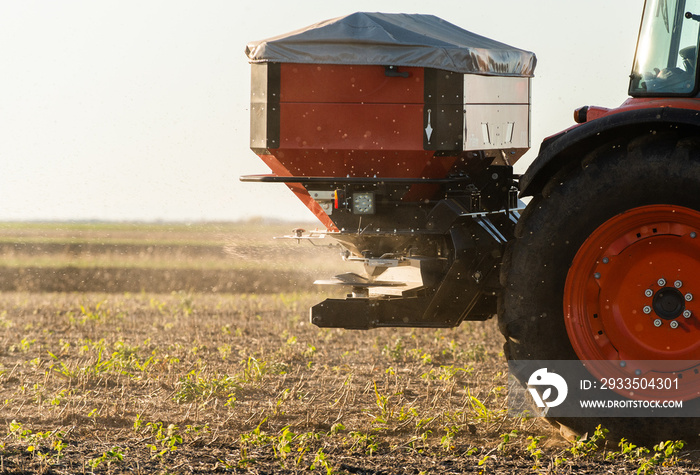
(667,50)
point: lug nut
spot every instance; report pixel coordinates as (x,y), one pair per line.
(657,322)
(597,275)
(688,297)
(605,260)
(661,282)
(678,284)
(647,309)
(693,235)
(648,292)
(686,313)
(674,324)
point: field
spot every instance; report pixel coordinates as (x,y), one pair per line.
(187,349)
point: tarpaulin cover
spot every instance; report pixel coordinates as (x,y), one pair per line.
(394,39)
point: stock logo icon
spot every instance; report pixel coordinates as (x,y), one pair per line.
(541,379)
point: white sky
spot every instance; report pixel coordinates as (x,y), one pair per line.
(138,110)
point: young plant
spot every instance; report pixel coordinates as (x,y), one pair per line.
(505,440)
(367,442)
(168,439)
(665,454)
(584,447)
(482,413)
(195,387)
(396,352)
(386,411)
(321,461)
(112,456)
(447,440)
(282,445)
(96,314)
(534,451)
(256,437)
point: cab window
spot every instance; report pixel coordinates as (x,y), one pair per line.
(667,49)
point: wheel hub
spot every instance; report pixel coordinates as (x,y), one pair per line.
(628,296)
(668,303)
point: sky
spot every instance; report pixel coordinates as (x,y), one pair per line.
(139,110)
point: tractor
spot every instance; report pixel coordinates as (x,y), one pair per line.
(400,132)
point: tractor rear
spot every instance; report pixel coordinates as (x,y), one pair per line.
(404,150)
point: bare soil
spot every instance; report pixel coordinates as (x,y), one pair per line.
(158,280)
(215,379)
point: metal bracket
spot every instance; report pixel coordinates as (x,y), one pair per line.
(488,226)
(350,180)
(298,235)
(393,72)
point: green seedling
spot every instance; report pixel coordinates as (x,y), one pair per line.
(476,352)
(36,439)
(138,423)
(505,440)
(336,428)
(225,351)
(533,449)
(256,437)
(112,456)
(158,306)
(418,443)
(418,354)
(282,445)
(665,454)
(25,345)
(366,442)
(321,461)
(195,387)
(59,397)
(628,451)
(447,442)
(284,395)
(168,440)
(386,411)
(445,372)
(584,447)
(481,412)
(406,413)
(254,370)
(186,303)
(92,314)
(395,352)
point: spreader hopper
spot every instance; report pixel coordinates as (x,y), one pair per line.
(392,128)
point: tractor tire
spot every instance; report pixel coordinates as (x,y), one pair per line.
(623,206)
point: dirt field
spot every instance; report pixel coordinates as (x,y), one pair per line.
(174,349)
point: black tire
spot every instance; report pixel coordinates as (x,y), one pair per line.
(610,180)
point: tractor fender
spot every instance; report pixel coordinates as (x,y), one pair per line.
(568,148)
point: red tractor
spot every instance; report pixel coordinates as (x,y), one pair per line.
(400,133)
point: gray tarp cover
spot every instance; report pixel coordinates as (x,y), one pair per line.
(394,40)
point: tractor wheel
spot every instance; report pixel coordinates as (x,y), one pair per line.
(605,265)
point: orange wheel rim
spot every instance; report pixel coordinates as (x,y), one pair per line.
(632,298)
